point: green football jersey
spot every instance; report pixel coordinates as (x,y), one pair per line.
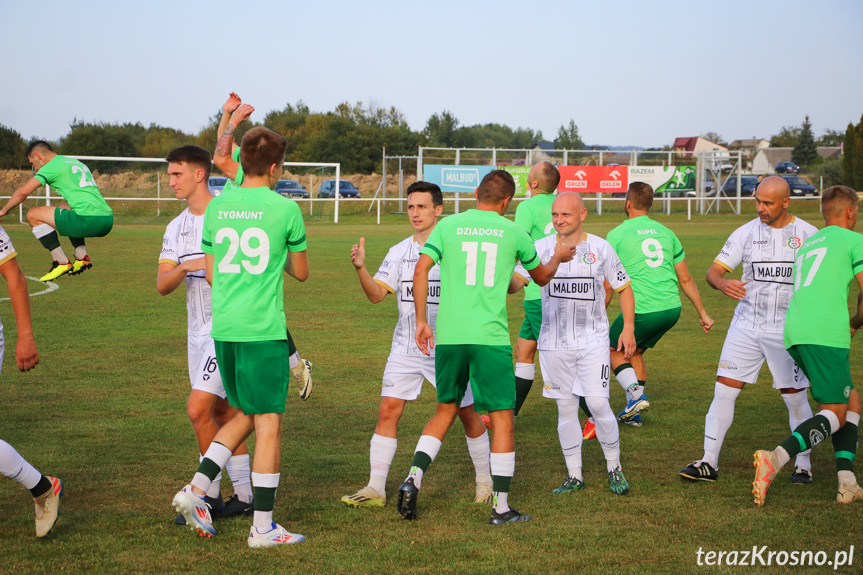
(649,251)
(73,180)
(249,232)
(534,216)
(826,264)
(477,251)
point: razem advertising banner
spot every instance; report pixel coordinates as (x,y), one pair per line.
(458,179)
(519,174)
(593,179)
(664,179)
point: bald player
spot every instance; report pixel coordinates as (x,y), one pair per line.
(573,338)
(534,215)
(765,248)
(818,337)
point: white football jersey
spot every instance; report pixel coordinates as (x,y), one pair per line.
(573,302)
(767,255)
(7,252)
(182,241)
(396,274)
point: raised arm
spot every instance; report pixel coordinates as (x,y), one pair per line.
(26,355)
(424,333)
(373,290)
(223,155)
(19,196)
(687,284)
(732,288)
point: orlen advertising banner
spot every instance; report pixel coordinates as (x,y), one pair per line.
(458,179)
(664,179)
(519,174)
(593,179)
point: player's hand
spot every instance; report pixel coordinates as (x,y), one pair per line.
(232,103)
(424,337)
(626,343)
(563,252)
(734,288)
(358,254)
(194,265)
(26,355)
(853,331)
(706,323)
(242,114)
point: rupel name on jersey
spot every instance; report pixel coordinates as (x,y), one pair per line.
(479,232)
(407,292)
(572,288)
(775,272)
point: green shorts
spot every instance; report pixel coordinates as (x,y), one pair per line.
(73,225)
(255,374)
(532,319)
(649,327)
(488,368)
(828,370)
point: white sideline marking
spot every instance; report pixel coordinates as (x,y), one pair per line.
(51,287)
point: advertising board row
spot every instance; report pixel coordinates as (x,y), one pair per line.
(581,179)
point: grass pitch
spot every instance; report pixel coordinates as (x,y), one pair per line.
(105,411)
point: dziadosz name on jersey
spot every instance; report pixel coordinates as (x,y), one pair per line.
(479,232)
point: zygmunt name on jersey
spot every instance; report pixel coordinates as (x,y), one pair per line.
(240,215)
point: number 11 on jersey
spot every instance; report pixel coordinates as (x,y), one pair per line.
(472,250)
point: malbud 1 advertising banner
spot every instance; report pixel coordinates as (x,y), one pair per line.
(519,174)
(593,179)
(458,179)
(664,179)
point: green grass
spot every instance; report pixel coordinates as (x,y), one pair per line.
(105,411)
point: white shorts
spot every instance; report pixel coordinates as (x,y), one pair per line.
(584,373)
(404,376)
(744,352)
(203,368)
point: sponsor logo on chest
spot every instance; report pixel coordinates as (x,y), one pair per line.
(406,292)
(773,272)
(579,288)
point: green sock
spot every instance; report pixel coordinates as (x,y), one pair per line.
(292,349)
(583,404)
(642,382)
(807,435)
(499,483)
(522,388)
(76,242)
(209,468)
(51,241)
(265,498)
(421,460)
(845,446)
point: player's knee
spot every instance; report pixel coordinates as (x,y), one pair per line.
(199,411)
(390,411)
(32,218)
(223,412)
(599,408)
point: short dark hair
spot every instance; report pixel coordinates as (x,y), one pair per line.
(260,149)
(41,145)
(548,176)
(433,189)
(640,195)
(495,187)
(193,155)
(836,199)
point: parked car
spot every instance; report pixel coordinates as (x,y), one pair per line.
(787,168)
(346,189)
(747,186)
(291,189)
(799,186)
(216,184)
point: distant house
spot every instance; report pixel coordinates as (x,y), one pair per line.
(754,143)
(541,151)
(684,147)
(765,160)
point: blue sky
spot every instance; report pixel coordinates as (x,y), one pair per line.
(628,73)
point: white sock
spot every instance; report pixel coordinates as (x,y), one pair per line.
(59,256)
(80,252)
(502,465)
(218,454)
(381,454)
(430,446)
(846,477)
(782,455)
(718,421)
(607,431)
(798,412)
(42,230)
(525,370)
(294,360)
(240,473)
(626,378)
(634,392)
(479,450)
(264,519)
(15,467)
(570,435)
